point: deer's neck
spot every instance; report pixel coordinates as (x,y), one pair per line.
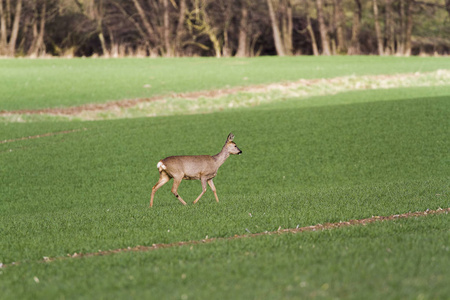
(221,157)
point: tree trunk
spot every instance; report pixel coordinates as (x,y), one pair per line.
(3,44)
(401,38)
(38,42)
(105,51)
(114,46)
(310,30)
(323,29)
(333,46)
(287,26)
(312,36)
(252,51)
(15,28)
(243,43)
(389,29)
(180,26)
(290,27)
(97,12)
(167,39)
(408,29)
(378,29)
(339,24)
(354,44)
(275,30)
(226,50)
(216,44)
(8,13)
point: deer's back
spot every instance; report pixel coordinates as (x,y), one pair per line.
(190,166)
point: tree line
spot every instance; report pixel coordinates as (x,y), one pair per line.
(171,28)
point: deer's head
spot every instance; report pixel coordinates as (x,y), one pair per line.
(231,146)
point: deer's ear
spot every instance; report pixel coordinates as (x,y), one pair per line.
(230,137)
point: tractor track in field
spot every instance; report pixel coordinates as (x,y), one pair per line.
(129,103)
(352,83)
(41,135)
(207,240)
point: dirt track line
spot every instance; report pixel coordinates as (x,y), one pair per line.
(256,88)
(317,227)
(41,135)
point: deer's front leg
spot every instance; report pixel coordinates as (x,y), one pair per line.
(213,188)
(203,189)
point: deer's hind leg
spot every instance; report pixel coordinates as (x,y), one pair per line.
(163,178)
(176,183)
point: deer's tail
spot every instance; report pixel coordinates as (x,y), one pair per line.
(161,167)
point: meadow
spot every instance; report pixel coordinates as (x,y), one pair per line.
(34,84)
(329,158)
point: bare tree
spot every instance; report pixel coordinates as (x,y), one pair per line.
(354,48)
(287,25)
(226,8)
(150,32)
(199,20)
(408,29)
(310,30)
(243,37)
(406,25)
(8,46)
(389,29)
(180,29)
(94,11)
(37,45)
(279,46)
(401,37)
(280,13)
(323,29)
(15,28)
(221,27)
(377,28)
(167,32)
(3,30)
(339,25)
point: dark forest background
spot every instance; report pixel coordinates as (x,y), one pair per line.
(171,28)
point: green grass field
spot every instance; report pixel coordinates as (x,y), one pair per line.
(320,159)
(33,84)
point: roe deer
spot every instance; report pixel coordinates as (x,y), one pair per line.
(199,167)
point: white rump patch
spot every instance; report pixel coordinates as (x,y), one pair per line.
(161,166)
